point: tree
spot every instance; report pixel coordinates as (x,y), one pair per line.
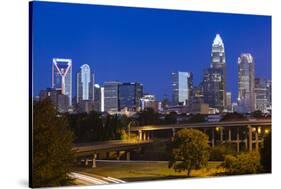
(52,147)
(245,163)
(220,151)
(266,154)
(196,118)
(189,150)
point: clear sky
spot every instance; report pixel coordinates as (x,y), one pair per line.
(144,45)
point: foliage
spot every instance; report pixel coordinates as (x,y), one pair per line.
(148,117)
(189,150)
(233,117)
(244,163)
(196,118)
(257,114)
(266,154)
(95,126)
(171,118)
(52,147)
(220,151)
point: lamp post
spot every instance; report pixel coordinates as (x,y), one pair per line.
(129,129)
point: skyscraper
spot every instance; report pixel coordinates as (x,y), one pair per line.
(130,95)
(182,87)
(62,77)
(246,83)
(85,84)
(111,103)
(214,81)
(261,94)
(228,101)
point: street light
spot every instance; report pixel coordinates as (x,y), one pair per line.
(129,129)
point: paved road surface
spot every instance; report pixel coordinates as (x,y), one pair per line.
(90,180)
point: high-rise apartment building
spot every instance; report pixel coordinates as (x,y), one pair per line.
(261,94)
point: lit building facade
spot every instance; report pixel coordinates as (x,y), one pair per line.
(129,95)
(62,77)
(246,83)
(85,84)
(214,79)
(110,96)
(261,94)
(228,102)
(149,101)
(182,83)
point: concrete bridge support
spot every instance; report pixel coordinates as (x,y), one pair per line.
(140,135)
(237,141)
(128,156)
(94,161)
(229,135)
(250,130)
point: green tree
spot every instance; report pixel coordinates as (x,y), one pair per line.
(245,163)
(52,147)
(266,154)
(189,150)
(220,151)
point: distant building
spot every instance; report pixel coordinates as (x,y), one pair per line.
(149,101)
(85,88)
(129,95)
(182,88)
(261,94)
(111,93)
(228,102)
(269,94)
(59,100)
(97,98)
(246,83)
(62,77)
(214,81)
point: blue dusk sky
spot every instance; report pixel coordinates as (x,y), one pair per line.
(143,45)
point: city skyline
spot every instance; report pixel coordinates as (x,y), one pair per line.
(182,58)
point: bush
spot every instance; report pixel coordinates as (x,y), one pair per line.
(245,163)
(219,152)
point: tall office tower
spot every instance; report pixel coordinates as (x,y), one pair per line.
(246,83)
(85,84)
(111,96)
(261,94)
(130,95)
(182,87)
(97,99)
(268,93)
(214,82)
(228,102)
(62,77)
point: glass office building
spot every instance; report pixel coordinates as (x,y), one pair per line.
(182,87)
(214,79)
(62,77)
(85,84)
(130,95)
(246,83)
(110,96)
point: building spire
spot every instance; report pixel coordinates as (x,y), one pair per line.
(218,41)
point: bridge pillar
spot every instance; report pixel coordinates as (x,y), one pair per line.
(140,135)
(148,135)
(213,137)
(250,138)
(221,134)
(174,132)
(229,135)
(128,156)
(94,160)
(86,162)
(144,135)
(257,140)
(237,141)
